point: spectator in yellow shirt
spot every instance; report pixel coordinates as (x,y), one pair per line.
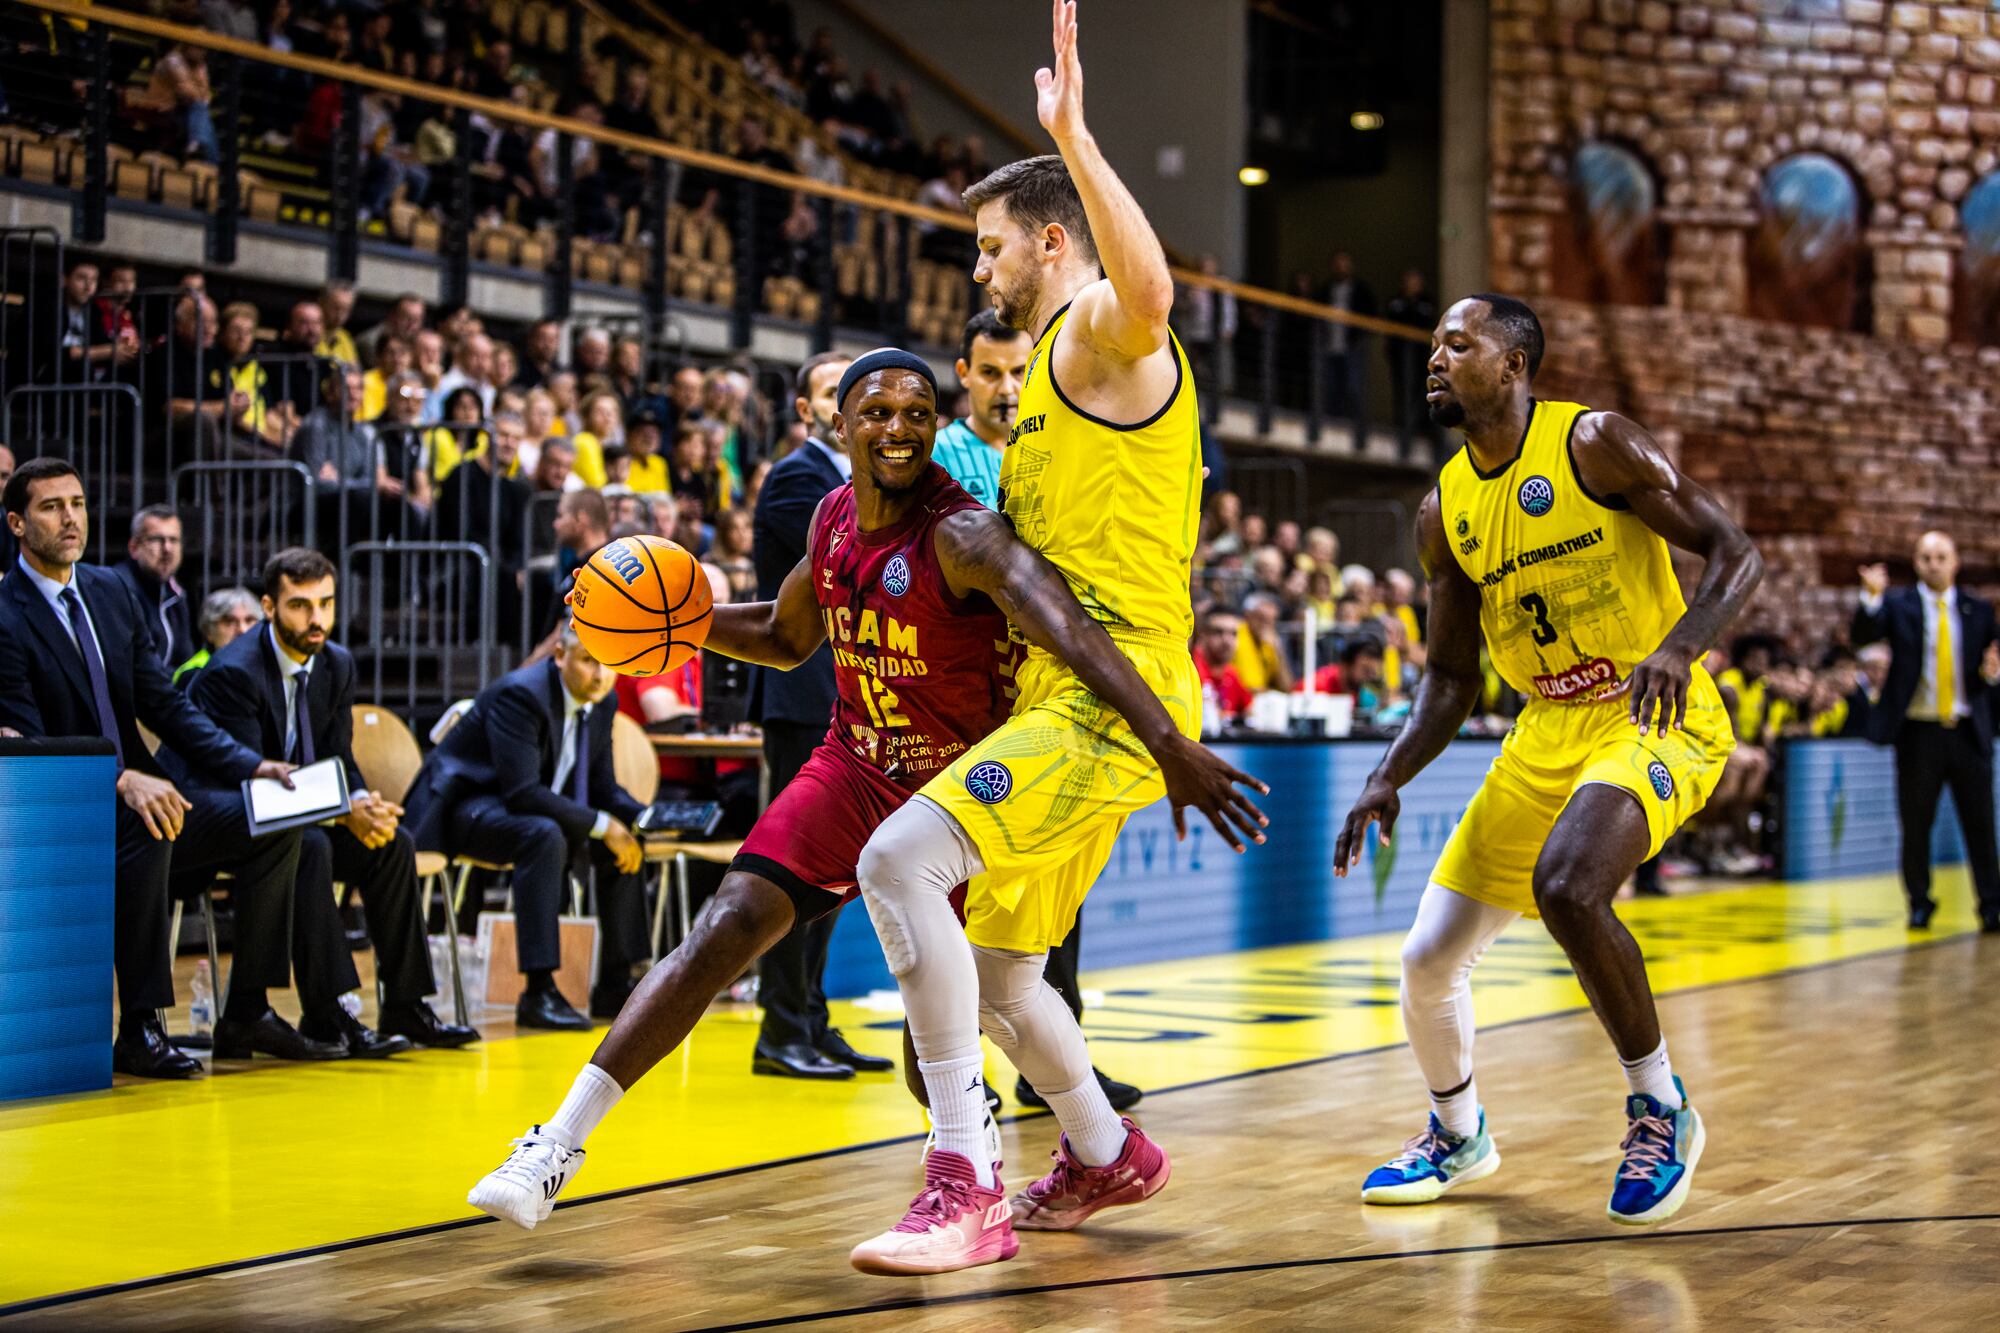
(393,356)
(603,430)
(1260,657)
(646,469)
(336,307)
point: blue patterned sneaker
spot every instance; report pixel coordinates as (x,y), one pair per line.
(1431,1163)
(1661,1149)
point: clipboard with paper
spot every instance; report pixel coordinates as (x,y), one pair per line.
(318,793)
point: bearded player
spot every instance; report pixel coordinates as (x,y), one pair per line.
(1547,538)
(914,583)
(1102,476)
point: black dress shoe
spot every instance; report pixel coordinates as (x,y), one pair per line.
(268,1034)
(548,1011)
(362,1042)
(1122,1096)
(607,1000)
(143,1051)
(416,1021)
(1920,916)
(834,1047)
(795,1060)
(1989,925)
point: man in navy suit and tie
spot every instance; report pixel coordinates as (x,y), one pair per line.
(794,708)
(80,656)
(285,688)
(1937,710)
(525,779)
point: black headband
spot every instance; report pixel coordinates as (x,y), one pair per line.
(883,358)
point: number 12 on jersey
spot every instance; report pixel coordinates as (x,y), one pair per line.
(880,701)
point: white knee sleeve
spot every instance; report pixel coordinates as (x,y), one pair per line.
(1450,934)
(919,850)
(1027,1019)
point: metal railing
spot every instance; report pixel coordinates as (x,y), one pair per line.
(419,619)
(236,514)
(95,427)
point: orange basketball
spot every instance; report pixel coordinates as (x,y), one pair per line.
(642,605)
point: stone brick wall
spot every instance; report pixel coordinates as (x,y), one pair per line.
(1833,448)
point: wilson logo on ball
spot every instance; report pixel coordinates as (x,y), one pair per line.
(989,782)
(624,562)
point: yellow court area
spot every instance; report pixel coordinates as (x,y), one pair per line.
(147,1180)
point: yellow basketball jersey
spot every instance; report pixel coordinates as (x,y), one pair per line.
(1574,591)
(1115,508)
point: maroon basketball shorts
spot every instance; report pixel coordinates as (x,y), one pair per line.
(809,839)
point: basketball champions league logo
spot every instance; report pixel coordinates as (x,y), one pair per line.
(1537,497)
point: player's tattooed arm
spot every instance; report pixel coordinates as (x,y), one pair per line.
(1446,695)
(780,634)
(979,553)
(1615,456)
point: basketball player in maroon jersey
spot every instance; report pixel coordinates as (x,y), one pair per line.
(914,583)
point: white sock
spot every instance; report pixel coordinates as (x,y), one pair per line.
(1653,1076)
(1458,1112)
(590,1099)
(1095,1133)
(958,1110)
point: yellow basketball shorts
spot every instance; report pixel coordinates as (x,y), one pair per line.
(1044,797)
(1555,749)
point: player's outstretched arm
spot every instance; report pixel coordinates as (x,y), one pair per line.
(1126,315)
(1445,696)
(779,634)
(1617,456)
(980,553)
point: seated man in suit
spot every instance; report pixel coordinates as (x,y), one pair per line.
(80,656)
(285,689)
(526,778)
(1936,709)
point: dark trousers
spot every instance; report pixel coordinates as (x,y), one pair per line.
(792,975)
(1930,758)
(387,880)
(541,853)
(1060,969)
(216,837)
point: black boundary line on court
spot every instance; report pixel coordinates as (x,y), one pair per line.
(83,1294)
(1326,1261)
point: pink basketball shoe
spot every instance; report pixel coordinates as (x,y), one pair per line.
(1063,1198)
(954,1223)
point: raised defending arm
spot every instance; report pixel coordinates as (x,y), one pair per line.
(1126,315)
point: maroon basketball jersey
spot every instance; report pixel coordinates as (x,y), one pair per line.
(921,673)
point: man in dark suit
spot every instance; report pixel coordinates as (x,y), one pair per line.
(286,689)
(1937,710)
(525,778)
(795,707)
(80,656)
(154,552)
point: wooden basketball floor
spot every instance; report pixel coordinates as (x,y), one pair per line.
(1844,1066)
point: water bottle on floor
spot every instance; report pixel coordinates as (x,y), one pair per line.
(201,1002)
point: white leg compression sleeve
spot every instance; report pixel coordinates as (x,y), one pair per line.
(1032,1026)
(907,871)
(1450,934)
